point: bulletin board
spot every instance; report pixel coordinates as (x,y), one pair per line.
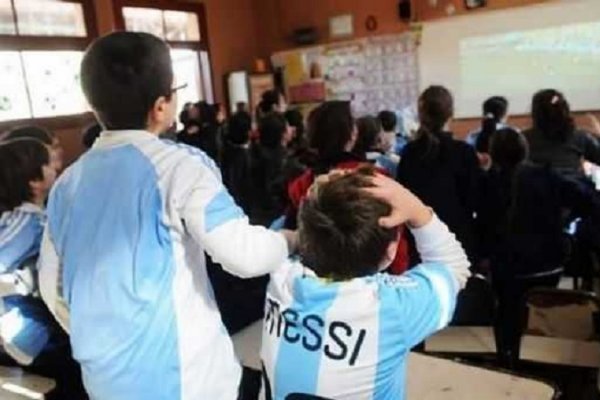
(374,73)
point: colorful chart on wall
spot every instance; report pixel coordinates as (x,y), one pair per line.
(374,74)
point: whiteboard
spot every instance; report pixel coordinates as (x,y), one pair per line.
(514,53)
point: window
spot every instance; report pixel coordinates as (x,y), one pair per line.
(183,26)
(41,46)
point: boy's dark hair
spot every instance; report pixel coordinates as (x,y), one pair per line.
(90,135)
(21,162)
(31,132)
(269,100)
(239,128)
(494,109)
(330,128)
(369,130)
(122,76)
(294,118)
(388,120)
(551,115)
(508,149)
(339,231)
(271,128)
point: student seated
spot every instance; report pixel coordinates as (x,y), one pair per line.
(44,136)
(28,332)
(335,326)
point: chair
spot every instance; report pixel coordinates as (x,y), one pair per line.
(15,384)
(560,327)
(560,334)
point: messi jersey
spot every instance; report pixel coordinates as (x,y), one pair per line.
(25,324)
(122,267)
(350,340)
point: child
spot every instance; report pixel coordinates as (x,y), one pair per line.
(25,179)
(44,136)
(334,325)
(28,331)
(123,256)
(372,143)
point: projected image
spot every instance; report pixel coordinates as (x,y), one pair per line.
(565,57)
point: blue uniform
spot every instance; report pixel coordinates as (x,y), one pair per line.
(350,340)
(123,268)
(25,327)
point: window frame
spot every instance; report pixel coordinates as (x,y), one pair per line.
(168,5)
(17,42)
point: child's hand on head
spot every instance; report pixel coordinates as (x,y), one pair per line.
(406,207)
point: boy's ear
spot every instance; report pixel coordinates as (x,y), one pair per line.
(392,249)
(36,186)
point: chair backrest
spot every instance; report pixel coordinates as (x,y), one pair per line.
(565,314)
(561,328)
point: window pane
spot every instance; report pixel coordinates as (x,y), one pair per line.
(182,26)
(50,18)
(187,71)
(147,20)
(13,95)
(206,76)
(7,22)
(53,81)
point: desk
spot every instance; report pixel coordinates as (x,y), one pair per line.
(18,385)
(428,378)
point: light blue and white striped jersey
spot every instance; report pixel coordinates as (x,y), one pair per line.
(24,327)
(123,269)
(350,340)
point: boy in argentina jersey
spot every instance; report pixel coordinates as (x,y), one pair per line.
(122,263)
(336,327)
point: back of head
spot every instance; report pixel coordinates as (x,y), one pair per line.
(551,115)
(122,76)
(369,130)
(339,231)
(21,162)
(31,132)
(436,107)
(239,128)
(508,149)
(207,114)
(330,128)
(388,120)
(272,128)
(269,101)
(494,111)
(295,119)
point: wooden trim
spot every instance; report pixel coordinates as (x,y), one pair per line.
(45,43)
(52,123)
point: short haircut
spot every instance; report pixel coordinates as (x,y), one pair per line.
(369,130)
(388,120)
(271,128)
(21,162)
(330,128)
(339,231)
(239,128)
(508,149)
(294,118)
(495,107)
(122,76)
(31,132)
(90,135)
(269,100)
